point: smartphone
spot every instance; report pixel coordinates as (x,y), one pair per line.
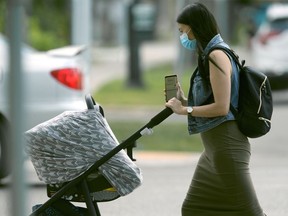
(171,86)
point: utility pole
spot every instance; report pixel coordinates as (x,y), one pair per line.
(221,12)
(81,22)
(16,99)
(81,31)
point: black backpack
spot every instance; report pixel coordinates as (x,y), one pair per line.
(255,105)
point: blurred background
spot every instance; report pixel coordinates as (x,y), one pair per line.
(50,24)
(120,51)
(128,24)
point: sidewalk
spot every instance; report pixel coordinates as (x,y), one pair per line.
(112,63)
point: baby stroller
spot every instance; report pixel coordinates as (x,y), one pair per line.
(77,155)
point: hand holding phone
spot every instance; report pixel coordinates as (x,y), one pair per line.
(171,87)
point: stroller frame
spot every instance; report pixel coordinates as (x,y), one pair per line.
(81,180)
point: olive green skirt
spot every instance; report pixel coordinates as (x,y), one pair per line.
(221,185)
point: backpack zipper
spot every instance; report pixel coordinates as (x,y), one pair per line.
(265,120)
(260,93)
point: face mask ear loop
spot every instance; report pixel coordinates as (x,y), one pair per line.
(187,32)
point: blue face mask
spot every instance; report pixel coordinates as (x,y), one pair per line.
(187,43)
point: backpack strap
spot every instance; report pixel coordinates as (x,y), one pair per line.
(228,51)
(234,56)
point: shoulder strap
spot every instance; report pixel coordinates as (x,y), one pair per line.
(235,57)
(230,52)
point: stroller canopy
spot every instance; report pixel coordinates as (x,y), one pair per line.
(64,147)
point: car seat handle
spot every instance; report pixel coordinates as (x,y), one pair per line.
(89,101)
(91,104)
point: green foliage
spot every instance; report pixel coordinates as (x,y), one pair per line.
(3,15)
(245,2)
(48,24)
(41,39)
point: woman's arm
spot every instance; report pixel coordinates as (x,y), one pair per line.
(220,78)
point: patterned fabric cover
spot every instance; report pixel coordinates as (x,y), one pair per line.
(66,146)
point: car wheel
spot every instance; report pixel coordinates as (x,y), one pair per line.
(4,165)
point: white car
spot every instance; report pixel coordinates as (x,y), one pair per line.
(54,81)
(269,46)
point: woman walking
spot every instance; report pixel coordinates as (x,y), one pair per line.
(221,185)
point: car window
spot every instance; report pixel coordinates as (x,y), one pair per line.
(279,24)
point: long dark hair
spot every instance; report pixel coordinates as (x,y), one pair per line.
(201,22)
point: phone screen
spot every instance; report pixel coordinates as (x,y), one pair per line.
(171,86)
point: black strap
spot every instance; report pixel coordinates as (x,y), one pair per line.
(235,57)
(230,53)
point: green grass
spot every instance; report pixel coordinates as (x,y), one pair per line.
(118,93)
(167,136)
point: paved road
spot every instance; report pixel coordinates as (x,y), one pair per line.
(167,176)
(166,183)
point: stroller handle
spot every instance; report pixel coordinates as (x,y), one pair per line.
(165,113)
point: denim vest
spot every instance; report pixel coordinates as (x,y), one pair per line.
(200,92)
